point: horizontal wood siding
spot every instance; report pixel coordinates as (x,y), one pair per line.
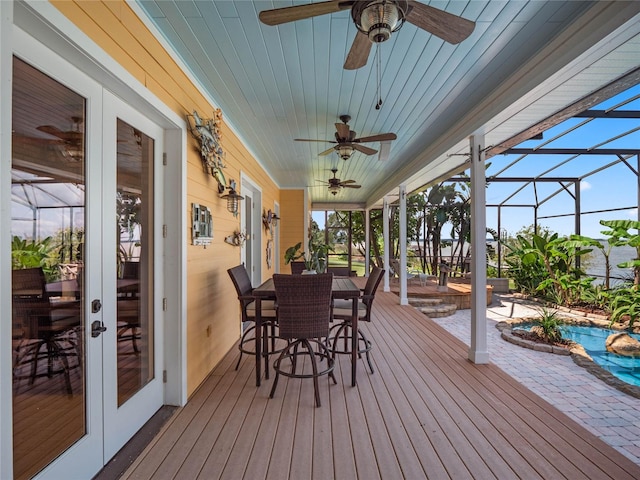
(292,212)
(212,319)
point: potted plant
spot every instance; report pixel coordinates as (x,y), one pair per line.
(315,257)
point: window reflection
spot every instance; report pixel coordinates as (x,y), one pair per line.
(47,227)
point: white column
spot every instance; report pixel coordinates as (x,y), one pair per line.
(385,241)
(478,350)
(404,300)
(367,244)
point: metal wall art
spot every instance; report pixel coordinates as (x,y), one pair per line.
(207,132)
(201,225)
(236,239)
(269,220)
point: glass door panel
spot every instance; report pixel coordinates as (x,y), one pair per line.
(132,375)
(47,227)
(134,205)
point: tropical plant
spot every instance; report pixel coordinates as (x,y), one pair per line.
(620,235)
(526,268)
(315,257)
(549,324)
(31,253)
(625,304)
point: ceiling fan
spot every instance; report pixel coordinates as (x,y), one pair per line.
(68,143)
(376,20)
(346,141)
(70,136)
(335,184)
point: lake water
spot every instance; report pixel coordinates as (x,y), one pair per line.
(594,264)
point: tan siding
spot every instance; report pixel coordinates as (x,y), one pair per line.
(292,231)
(210,293)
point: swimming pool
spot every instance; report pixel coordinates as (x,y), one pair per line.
(593,341)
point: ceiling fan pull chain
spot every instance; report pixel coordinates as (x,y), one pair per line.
(378,77)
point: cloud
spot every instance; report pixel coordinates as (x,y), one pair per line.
(633,213)
(584,186)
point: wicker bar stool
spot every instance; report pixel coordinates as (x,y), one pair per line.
(242,282)
(304,311)
(340,334)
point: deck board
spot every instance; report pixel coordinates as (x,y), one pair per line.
(426,412)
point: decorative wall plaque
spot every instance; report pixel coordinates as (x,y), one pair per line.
(207,132)
(201,225)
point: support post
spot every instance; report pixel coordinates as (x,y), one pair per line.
(404,300)
(367,243)
(478,350)
(385,241)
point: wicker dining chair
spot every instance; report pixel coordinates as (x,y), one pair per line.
(47,332)
(304,311)
(242,283)
(340,335)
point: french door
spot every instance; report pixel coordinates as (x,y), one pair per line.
(87,332)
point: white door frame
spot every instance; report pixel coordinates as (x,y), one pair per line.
(48,26)
(249,187)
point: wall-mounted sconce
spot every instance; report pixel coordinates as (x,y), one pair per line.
(232,198)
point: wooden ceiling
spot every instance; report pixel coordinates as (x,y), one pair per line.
(523,62)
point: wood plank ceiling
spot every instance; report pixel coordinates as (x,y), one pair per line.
(523,62)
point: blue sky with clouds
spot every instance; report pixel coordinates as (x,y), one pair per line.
(613,188)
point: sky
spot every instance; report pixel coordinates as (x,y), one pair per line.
(613,188)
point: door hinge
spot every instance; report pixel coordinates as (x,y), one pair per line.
(164,231)
(164,376)
(164,304)
(164,159)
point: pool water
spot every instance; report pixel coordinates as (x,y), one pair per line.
(593,341)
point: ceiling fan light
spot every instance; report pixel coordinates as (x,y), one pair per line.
(379,19)
(345,151)
(334,189)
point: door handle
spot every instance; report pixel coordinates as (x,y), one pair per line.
(97,327)
(96,306)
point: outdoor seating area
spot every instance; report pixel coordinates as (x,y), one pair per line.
(427,412)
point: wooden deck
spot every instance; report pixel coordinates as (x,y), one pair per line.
(426,412)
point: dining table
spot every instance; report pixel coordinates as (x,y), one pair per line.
(342,288)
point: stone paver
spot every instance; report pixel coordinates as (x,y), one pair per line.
(609,413)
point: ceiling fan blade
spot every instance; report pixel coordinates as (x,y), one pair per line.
(381,137)
(343,130)
(451,28)
(359,53)
(312,140)
(23,139)
(328,151)
(351,186)
(278,16)
(365,150)
(348,181)
(51,130)
(69,136)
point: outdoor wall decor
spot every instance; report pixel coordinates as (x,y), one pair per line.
(237,238)
(269,253)
(201,225)
(269,220)
(207,132)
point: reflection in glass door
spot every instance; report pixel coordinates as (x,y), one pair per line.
(47,228)
(134,206)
